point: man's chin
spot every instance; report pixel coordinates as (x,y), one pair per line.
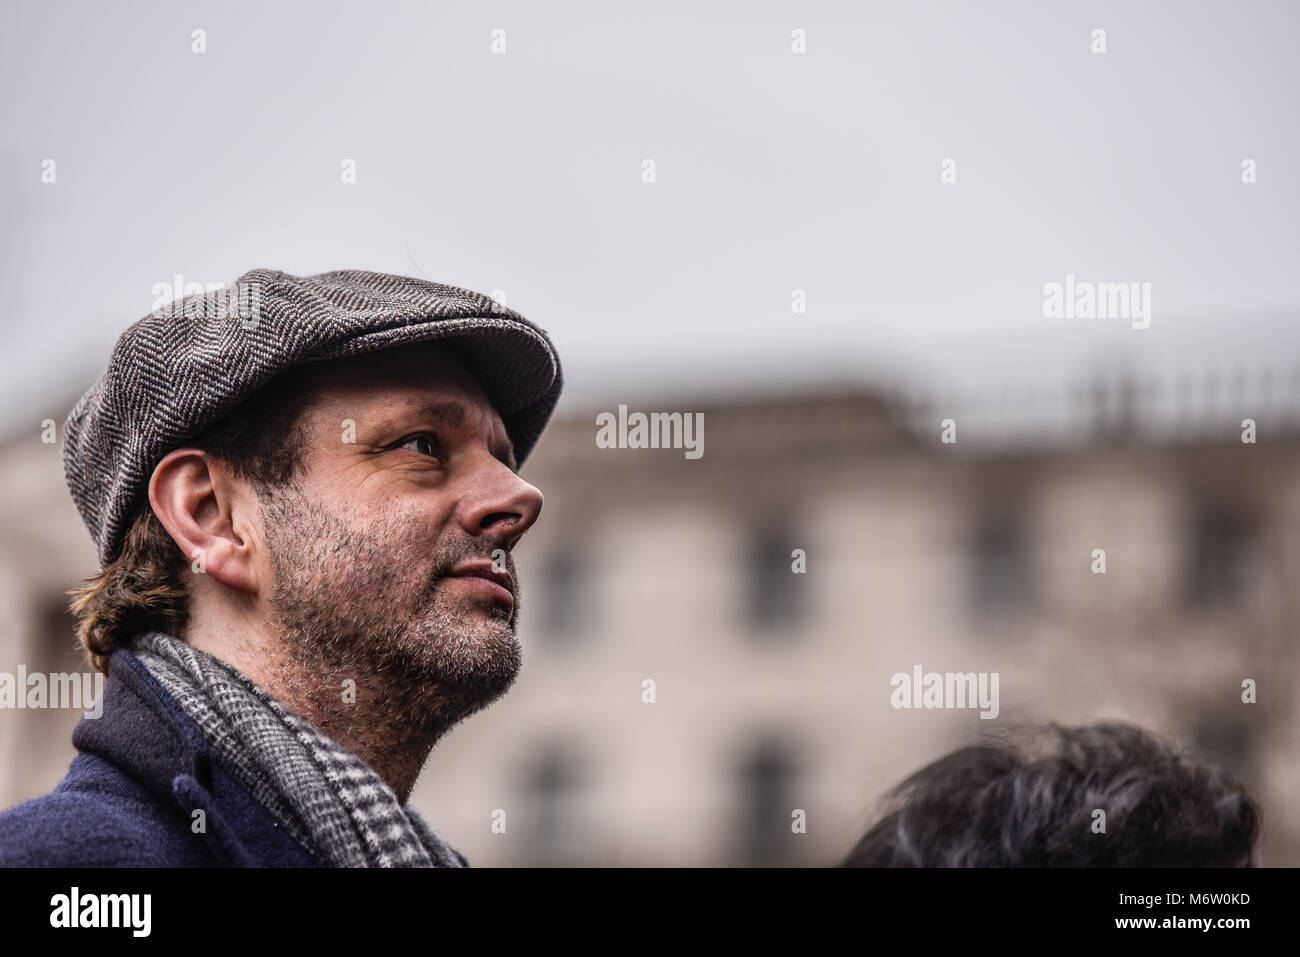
(482,659)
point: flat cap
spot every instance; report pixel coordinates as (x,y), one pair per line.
(178,370)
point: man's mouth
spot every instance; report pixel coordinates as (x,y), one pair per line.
(487,579)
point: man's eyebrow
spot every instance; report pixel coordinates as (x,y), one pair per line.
(453,413)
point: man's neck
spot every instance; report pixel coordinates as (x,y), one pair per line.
(393,729)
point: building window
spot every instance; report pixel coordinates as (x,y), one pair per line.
(551,781)
(767,780)
(775,598)
(56,646)
(1222,540)
(1001,575)
(1223,737)
(562,612)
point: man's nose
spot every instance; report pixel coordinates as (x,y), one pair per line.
(501,505)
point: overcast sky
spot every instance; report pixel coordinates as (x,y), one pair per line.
(522,171)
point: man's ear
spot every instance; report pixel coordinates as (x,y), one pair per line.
(211,514)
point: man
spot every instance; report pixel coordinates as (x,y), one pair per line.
(1101,795)
(305,514)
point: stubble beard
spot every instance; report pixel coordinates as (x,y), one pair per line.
(354,601)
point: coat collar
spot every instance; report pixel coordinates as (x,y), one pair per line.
(144,732)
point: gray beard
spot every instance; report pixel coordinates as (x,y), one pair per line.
(353,608)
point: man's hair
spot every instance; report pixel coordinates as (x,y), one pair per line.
(263,441)
(1016,803)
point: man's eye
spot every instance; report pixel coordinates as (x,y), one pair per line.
(426,443)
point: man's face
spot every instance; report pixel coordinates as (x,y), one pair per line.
(408,481)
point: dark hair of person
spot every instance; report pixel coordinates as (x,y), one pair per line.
(1032,800)
(143,588)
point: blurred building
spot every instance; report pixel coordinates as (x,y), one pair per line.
(686,696)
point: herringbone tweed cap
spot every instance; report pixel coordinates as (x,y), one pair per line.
(177,371)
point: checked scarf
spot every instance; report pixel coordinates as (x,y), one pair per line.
(328,798)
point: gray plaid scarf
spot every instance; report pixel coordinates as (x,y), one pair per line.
(328,798)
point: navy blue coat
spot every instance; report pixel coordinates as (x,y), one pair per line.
(129,797)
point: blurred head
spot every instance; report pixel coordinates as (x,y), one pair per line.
(1033,801)
(338,506)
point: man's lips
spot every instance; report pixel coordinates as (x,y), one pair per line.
(486,577)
